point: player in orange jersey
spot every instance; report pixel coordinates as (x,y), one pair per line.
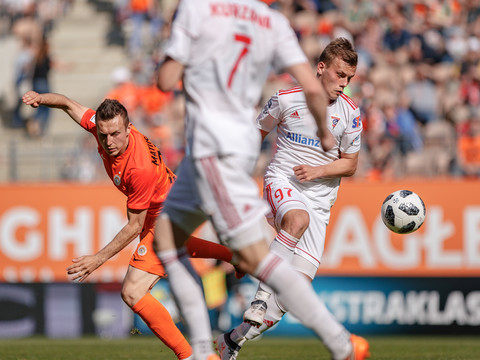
(137,169)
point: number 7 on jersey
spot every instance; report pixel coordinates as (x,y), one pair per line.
(243,39)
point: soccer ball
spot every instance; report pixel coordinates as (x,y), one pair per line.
(403,211)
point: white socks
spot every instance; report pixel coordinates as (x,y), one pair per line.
(188,294)
(284,245)
(298,296)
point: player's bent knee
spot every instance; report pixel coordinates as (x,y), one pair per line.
(128,297)
(295,222)
(132,293)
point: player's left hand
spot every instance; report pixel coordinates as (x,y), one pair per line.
(83,266)
(305,172)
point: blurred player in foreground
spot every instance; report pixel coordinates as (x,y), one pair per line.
(223,50)
(137,169)
(301,182)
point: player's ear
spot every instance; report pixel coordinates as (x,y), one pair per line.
(320,68)
(129,127)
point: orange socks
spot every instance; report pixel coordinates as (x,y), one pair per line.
(161,323)
(198,248)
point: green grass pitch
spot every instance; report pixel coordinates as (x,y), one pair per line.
(268,348)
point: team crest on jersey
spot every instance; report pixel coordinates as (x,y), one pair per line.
(142,250)
(92,119)
(117,180)
(335,120)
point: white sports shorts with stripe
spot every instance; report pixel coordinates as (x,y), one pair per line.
(220,189)
(282,197)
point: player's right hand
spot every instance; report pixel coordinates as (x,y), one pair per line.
(82,267)
(31,98)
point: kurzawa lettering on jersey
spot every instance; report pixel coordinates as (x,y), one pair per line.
(228,48)
(297,142)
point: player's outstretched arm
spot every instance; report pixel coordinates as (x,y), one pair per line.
(83,266)
(57,101)
(316,100)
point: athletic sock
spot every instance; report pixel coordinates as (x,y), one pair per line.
(238,335)
(158,319)
(298,296)
(188,293)
(198,248)
(284,245)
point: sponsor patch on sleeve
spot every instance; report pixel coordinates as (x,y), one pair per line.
(357,122)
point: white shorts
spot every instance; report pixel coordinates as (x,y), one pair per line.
(282,196)
(222,190)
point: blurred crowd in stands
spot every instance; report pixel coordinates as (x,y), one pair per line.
(31,23)
(417,82)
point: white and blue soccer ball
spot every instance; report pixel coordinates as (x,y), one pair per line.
(403,211)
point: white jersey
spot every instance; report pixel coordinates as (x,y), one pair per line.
(298,144)
(228,48)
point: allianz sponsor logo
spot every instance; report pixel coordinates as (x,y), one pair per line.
(304,140)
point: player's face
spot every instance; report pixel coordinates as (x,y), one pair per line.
(335,77)
(113,135)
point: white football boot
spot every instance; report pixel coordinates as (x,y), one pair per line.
(258,308)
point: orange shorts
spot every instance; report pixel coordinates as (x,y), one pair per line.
(144,257)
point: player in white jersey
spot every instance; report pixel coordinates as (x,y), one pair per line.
(301,182)
(223,50)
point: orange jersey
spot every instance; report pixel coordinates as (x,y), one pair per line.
(139,172)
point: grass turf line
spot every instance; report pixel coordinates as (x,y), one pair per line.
(268,348)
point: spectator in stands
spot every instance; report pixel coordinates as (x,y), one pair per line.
(28,32)
(127,92)
(468,148)
(397,36)
(470,85)
(423,94)
(402,126)
(37,124)
(402,44)
(143,12)
(24,65)
(152,101)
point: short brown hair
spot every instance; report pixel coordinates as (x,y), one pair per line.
(339,48)
(111,108)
